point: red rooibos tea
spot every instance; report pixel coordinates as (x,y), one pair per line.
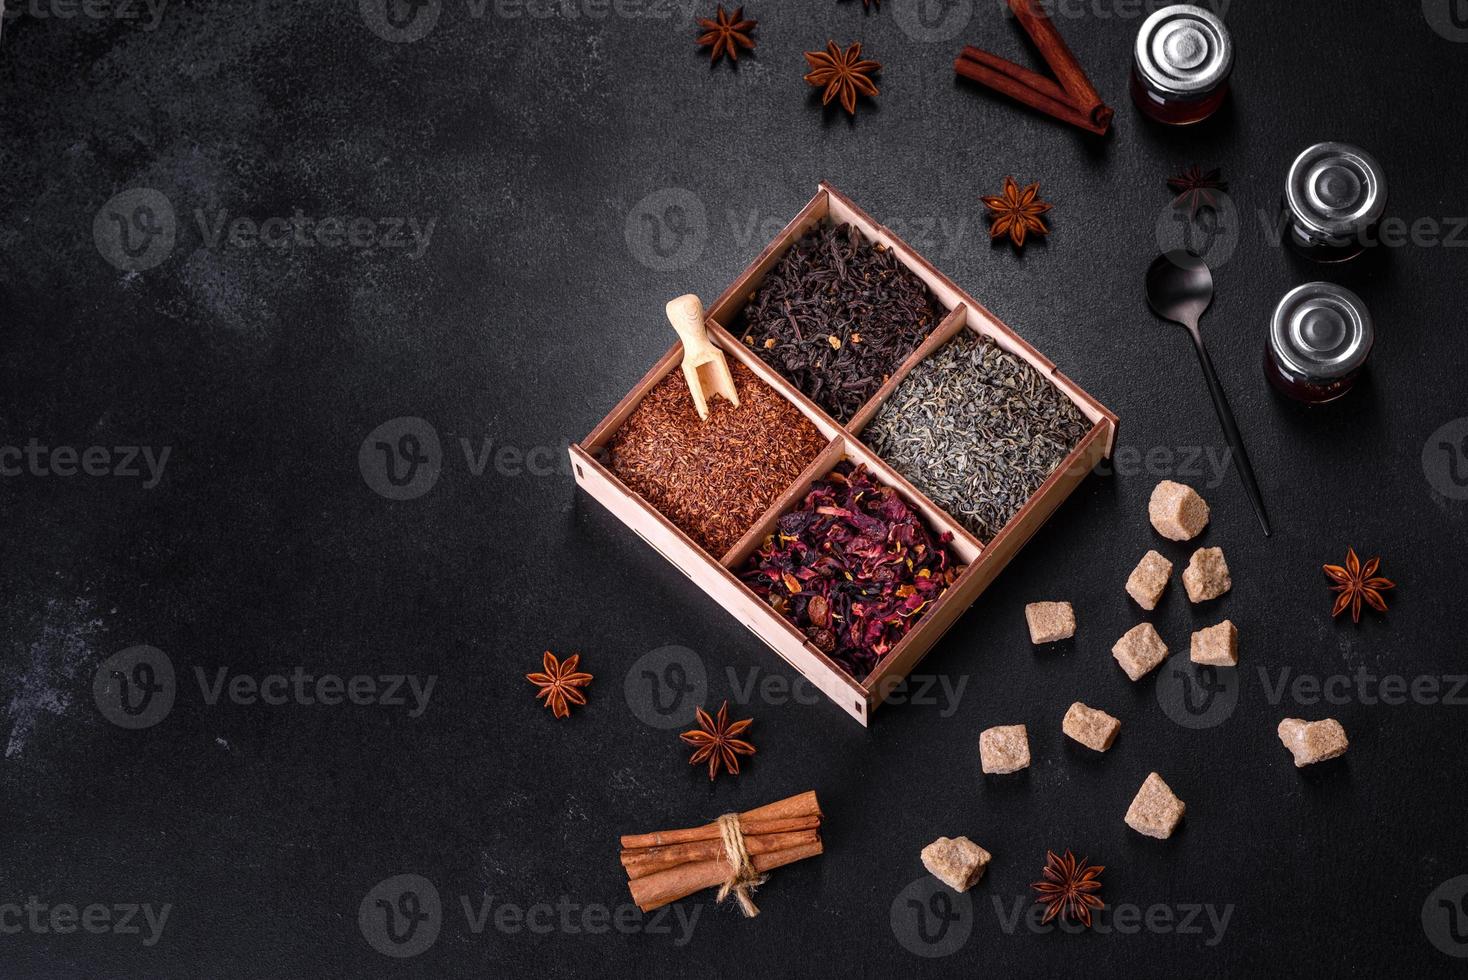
(713,479)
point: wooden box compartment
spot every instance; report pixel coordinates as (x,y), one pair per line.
(717,574)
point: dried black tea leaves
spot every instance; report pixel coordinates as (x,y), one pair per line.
(854,567)
(977,430)
(837,315)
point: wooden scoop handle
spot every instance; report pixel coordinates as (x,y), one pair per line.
(686,315)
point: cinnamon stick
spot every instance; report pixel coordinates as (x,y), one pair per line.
(1067,97)
(1056,52)
(1045,86)
(664,887)
(646,861)
(1006,84)
(749,828)
(800,807)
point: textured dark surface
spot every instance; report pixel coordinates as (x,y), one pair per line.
(533,144)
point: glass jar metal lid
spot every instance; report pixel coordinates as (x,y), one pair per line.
(1335,191)
(1321,332)
(1184,51)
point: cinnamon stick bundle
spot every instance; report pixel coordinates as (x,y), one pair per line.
(665,866)
(1069,97)
(669,886)
(644,862)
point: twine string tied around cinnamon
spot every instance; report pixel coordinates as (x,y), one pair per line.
(743,879)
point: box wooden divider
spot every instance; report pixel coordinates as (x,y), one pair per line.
(718,574)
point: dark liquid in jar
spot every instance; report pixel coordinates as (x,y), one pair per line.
(1176,112)
(1304,391)
(1323,251)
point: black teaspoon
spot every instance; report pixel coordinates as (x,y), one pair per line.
(1180,289)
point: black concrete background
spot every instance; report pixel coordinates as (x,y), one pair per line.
(545,150)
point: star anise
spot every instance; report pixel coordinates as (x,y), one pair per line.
(1067,888)
(843,73)
(1357,583)
(1194,189)
(726,34)
(559,682)
(718,742)
(1016,213)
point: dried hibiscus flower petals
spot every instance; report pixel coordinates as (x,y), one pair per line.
(854,567)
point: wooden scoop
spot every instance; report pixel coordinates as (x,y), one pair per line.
(704,366)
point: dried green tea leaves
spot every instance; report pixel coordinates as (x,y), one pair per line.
(976,429)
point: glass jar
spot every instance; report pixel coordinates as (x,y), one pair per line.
(1333,201)
(1181,65)
(1319,339)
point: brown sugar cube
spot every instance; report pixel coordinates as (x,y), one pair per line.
(1149,579)
(1139,651)
(1155,811)
(1313,741)
(1050,621)
(1004,748)
(1217,646)
(1091,727)
(1177,512)
(956,861)
(1206,576)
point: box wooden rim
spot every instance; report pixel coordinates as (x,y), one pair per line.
(990,557)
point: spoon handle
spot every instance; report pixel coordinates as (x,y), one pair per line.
(1231,431)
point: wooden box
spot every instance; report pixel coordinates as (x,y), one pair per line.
(717,574)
